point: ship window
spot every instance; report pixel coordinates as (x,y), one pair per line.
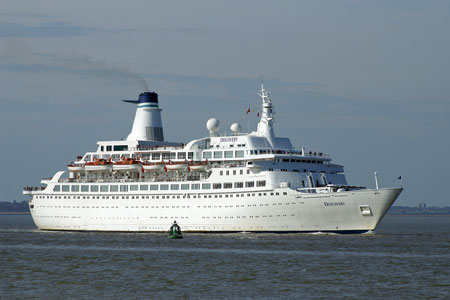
(156,156)
(113,188)
(206,186)
(175,187)
(143,187)
(241,172)
(108,148)
(227,185)
(217,154)
(207,155)
(181,155)
(124,188)
(85,188)
(228,173)
(120,147)
(165,156)
(221,173)
(190,155)
(153,187)
(217,186)
(195,186)
(173,155)
(65,188)
(238,185)
(75,188)
(87,158)
(134,187)
(249,184)
(228,154)
(185,186)
(239,153)
(248,171)
(56,188)
(261,183)
(164,187)
(94,188)
(101,148)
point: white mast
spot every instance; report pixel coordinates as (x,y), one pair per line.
(265,125)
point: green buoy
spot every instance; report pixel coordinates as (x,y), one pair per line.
(175,231)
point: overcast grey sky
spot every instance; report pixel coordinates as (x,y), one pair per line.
(365,81)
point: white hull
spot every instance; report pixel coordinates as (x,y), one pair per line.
(294,212)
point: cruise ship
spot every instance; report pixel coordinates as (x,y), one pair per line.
(252,182)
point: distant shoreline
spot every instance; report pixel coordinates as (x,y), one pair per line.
(14,213)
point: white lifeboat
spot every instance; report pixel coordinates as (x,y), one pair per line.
(182,166)
(149,167)
(198,167)
(99,165)
(74,167)
(127,165)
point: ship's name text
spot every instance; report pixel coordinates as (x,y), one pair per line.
(334,203)
(228,139)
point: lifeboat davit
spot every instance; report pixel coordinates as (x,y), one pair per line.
(99,165)
(153,167)
(128,164)
(73,167)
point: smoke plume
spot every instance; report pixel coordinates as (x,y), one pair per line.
(22,56)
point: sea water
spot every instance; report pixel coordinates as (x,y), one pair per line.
(406,258)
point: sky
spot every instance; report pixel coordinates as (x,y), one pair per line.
(367,82)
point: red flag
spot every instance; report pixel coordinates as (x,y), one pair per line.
(248,110)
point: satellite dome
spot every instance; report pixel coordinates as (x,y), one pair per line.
(236,128)
(213,126)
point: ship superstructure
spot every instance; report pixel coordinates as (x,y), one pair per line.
(223,183)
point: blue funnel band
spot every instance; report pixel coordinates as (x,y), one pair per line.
(146,97)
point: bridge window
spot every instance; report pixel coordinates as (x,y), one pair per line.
(181,155)
(94,188)
(120,147)
(261,183)
(153,187)
(207,155)
(134,187)
(56,188)
(238,185)
(217,154)
(206,186)
(228,154)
